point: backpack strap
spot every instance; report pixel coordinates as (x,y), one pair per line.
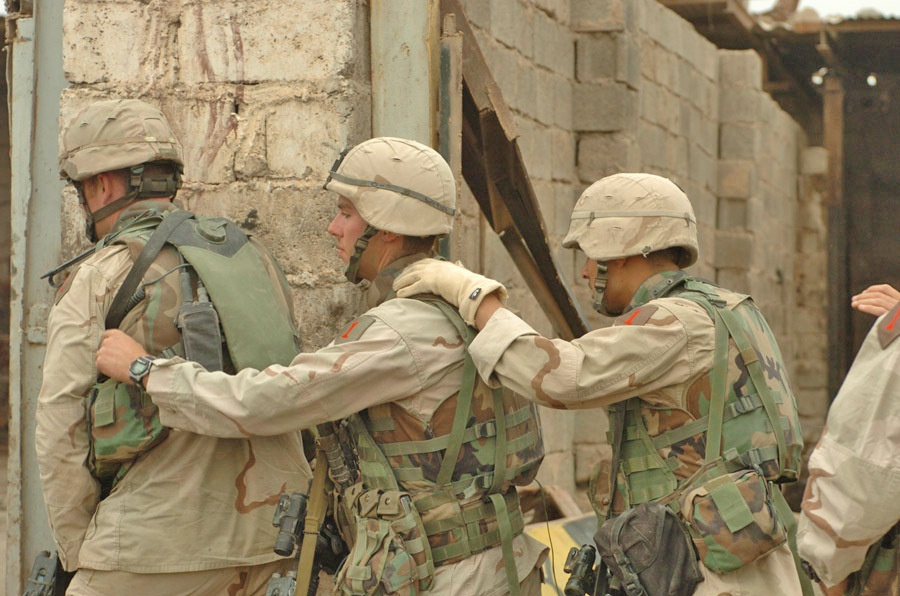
(121,304)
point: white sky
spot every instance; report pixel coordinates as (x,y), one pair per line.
(839,7)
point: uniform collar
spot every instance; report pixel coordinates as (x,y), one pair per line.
(382,287)
(656,286)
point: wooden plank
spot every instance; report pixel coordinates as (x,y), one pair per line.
(493,167)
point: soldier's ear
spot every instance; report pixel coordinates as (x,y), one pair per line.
(391,237)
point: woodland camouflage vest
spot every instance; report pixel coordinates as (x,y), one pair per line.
(652,464)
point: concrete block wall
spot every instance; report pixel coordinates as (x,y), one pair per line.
(263,97)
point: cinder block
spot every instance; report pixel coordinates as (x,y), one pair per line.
(737,179)
(732,214)
(516,28)
(597,57)
(733,250)
(545,95)
(740,68)
(562,155)
(554,45)
(814,161)
(605,107)
(602,154)
(219,40)
(739,105)
(738,141)
(737,280)
(526,92)
(294,133)
(598,15)
(479,13)
(562,111)
(102,44)
(652,139)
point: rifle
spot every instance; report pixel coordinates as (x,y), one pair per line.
(47,577)
(584,578)
(322,548)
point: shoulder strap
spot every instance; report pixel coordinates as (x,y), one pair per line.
(120,304)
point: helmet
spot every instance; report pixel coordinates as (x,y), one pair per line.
(631,214)
(116,134)
(398,186)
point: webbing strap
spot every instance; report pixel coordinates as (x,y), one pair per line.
(742,405)
(506,538)
(501,444)
(790,523)
(718,388)
(756,374)
(119,307)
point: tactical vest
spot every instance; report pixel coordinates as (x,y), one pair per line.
(457,472)
(759,428)
(231,317)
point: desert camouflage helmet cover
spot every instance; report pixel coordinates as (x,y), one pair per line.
(398,186)
(632,214)
(115,134)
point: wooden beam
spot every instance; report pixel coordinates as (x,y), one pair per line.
(493,167)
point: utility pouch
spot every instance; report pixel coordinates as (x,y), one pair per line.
(123,423)
(649,552)
(391,554)
(201,334)
(198,322)
(732,519)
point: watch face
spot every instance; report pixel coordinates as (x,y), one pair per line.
(140,367)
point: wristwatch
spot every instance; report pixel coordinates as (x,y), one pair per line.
(140,368)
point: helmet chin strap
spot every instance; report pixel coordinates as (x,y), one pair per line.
(352,270)
(600,280)
(91,219)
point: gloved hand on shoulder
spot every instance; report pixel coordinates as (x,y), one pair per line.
(454,283)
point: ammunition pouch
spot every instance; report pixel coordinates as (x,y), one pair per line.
(733,520)
(391,554)
(124,424)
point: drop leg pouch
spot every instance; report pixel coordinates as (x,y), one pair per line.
(649,551)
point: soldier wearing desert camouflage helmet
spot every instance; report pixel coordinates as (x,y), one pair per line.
(135,507)
(433,508)
(679,349)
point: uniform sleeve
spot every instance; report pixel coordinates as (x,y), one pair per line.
(70,492)
(329,384)
(852,497)
(646,350)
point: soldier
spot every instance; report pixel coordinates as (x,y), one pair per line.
(848,525)
(690,372)
(433,507)
(134,507)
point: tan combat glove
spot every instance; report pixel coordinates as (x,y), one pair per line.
(452,282)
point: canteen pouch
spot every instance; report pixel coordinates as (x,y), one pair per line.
(648,550)
(123,424)
(733,520)
(391,554)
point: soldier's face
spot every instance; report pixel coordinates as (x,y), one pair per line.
(346,227)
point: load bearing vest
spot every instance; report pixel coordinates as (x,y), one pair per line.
(758,426)
(501,451)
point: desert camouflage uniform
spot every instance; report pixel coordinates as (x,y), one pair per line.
(404,361)
(660,352)
(853,494)
(193,503)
